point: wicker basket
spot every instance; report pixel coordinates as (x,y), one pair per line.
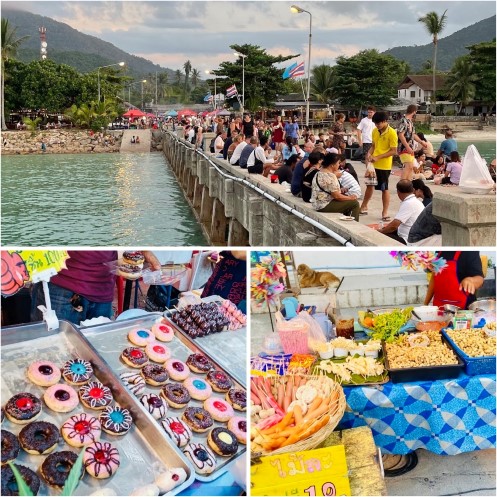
(335,416)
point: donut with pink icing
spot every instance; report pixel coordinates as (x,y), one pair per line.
(238,426)
(177,369)
(178,430)
(101,459)
(61,398)
(44,373)
(141,337)
(197,388)
(157,352)
(81,429)
(163,332)
(219,409)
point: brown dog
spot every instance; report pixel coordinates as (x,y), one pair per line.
(309,278)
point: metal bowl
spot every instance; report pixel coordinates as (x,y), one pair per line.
(450,308)
(486,306)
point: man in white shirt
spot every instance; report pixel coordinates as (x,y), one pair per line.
(365,130)
(235,158)
(219,144)
(257,159)
(409,210)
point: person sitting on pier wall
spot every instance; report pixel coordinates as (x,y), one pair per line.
(453,170)
(239,138)
(219,144)
(235,158)
(285,171)
(257,161)
(247,150)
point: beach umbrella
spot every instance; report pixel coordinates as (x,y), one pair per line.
(133,113)
(21,266)
(172,113)
(149,114)
(186,112)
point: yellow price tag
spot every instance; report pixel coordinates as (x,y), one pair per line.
(37,261)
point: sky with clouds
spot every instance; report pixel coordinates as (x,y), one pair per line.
(169,33)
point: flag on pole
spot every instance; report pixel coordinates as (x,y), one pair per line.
(286,74)
(231,91)
(297,71)
(208,97)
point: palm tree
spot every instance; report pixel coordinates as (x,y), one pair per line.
(322,81)
(10,44)
(195,77)
(461,81)
(434,25)
(177,75)
(187,66)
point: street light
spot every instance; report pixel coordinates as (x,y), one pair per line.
(215,87)
(135,83)
(243,78)
(98,74)
(298,10)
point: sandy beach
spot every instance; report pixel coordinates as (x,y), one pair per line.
(486,135)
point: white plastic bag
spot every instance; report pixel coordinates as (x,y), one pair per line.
(370,176)
(475,176)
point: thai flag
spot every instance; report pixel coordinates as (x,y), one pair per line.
(288,70)
(298,71)
(231,91)
(208,97)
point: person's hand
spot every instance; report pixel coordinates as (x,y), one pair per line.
(467,285)
(409,150)
(373,159)
(151,258)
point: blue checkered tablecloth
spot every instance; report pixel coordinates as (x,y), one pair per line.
(443,416)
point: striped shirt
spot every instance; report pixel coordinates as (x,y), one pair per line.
(348,181)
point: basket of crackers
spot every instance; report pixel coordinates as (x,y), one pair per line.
(292,413)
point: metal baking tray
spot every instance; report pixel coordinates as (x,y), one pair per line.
(228,347)
(111,339)
(145,450)
(425,372)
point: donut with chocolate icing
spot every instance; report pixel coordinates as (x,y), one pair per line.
(9,483)
(116,420)
(237,398)
(101,459)
(10,447)
(178,430)
(176,395)
(77,371)
(202,458)
(44,373)
(134,357)
(177,369)
(222,441)
(94,395)
(61,398)
(154,405)
(135,257)
(198,363)
(23,408)
(219,381)
(198,419)
(154,374)
(39,437)
(81,429)
(57,466)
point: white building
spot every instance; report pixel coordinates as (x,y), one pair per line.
(418,88)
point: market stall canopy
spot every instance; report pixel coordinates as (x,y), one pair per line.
(149,114)
(186,112)
(134,113)
(172,113)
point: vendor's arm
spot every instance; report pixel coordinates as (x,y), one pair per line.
(390,153)
(430,291)
(151,258)
(391,227)
(470,284)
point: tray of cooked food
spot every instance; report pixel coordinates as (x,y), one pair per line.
(61,398)
(424,355)
(386,324)
(194,401)
(351,363)
(476,348)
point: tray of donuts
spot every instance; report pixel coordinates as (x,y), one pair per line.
(60,399)
(197,403)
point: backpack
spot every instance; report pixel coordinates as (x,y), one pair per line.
(211,145)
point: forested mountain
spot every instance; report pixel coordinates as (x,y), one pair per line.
(449,48)
(69,46)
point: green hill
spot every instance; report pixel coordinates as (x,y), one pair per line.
(70,46)
(449,48)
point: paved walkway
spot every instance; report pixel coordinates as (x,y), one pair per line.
(144,145)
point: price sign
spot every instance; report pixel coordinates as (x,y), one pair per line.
(319,472)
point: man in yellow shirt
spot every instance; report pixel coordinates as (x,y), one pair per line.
(381,154)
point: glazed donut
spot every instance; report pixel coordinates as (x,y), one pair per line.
(178,430)
(202,458)
(197,388)
(81,429)
(238,426)
(198,363)
(154,374)
(141,337)
(198,419)
(170,479)
(177,369)
(56,467)
(9,483)
(77,371)
(116,420)
(163,332)
(219,381)
(39,437)
(237,398)
(23,408)
(157,352)
(61,398)
(129,271)
(10,447)
(94,395)
(135,258)
(219,409)
(222,441)
(176,395)
(134,382)
(44,373)
(134,357)
(101,459)
(154,404)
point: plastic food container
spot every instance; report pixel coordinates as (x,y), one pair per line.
(426,312)
(327,354)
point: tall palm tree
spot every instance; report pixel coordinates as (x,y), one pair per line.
(461,81)
(195,77)
(10,44)
(177,75)
(434,24)
(187,66)
(322,81)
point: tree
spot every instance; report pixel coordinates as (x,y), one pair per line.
(10,45)
(263,81)
(460,82)
(434,25)
(368,78)
(195,77)
(322,82)
(177,75)
(187,66)
(482,56)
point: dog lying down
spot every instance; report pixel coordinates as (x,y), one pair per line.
(309,278)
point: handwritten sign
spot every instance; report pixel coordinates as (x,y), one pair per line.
(318,472)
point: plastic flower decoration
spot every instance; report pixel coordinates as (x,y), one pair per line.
(265,282)
(425,260)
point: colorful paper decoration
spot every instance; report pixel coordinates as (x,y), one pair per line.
(424,260)
(265,279)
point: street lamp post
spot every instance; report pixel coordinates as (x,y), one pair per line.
(298,10)
(98,74)
(135,83)
(243,78)
(215,87)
